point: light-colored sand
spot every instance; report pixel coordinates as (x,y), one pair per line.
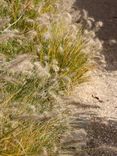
(96,101)
(102,90)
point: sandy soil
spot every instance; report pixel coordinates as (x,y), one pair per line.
(103,88)
(94,124)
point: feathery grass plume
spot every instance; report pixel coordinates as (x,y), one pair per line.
(69,45)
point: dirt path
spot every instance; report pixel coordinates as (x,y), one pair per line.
(94,124)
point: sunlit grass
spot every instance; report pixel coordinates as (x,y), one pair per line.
(29,122)
(43,56)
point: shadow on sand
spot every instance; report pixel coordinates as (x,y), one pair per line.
(94,136)
(101,137)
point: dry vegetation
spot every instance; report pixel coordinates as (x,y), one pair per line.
(42,56)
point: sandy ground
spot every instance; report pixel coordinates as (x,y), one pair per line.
(94,124)
(102,90)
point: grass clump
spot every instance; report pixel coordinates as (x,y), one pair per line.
(42,55)
(31,116)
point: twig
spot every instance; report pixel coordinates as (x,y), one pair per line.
(10,25)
